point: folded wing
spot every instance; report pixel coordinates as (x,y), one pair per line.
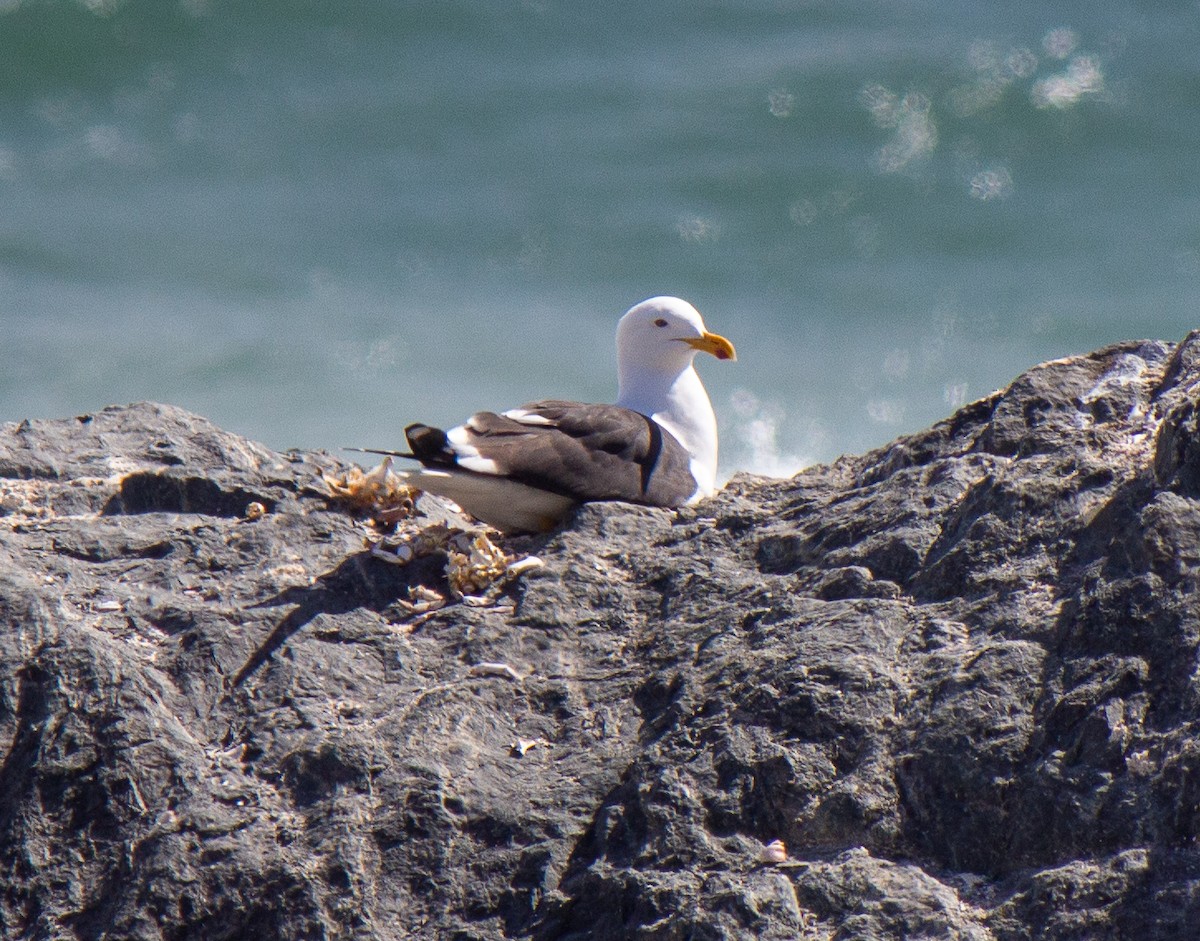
(579,451)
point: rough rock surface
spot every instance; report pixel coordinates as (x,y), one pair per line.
(957,676)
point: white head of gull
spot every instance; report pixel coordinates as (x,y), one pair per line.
(657,343)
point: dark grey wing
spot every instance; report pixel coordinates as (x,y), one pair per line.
(587,452)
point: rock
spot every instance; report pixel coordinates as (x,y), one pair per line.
(957,677)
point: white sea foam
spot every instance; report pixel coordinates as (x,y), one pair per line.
(991,183)
(781,102)
(1060,42)
(1064,89)
(697,229)
(886,411)
(757,449)
(910,118)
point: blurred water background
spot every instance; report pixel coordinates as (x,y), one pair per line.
(314,222)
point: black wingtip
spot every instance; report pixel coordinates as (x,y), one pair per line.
(429,445)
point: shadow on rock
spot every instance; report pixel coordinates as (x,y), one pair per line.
(360,581)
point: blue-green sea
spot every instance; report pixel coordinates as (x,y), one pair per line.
(315,222)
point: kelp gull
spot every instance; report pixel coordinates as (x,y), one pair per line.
(524,469)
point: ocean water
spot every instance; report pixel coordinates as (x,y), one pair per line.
(316,222)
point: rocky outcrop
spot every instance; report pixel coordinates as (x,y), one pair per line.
(956,676)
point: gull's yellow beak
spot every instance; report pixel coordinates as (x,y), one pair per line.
(712,343)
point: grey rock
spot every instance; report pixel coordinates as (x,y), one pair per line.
(957,676)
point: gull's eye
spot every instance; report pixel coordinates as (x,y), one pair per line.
(660,322)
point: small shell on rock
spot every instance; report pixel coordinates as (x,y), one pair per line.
(488,668)
(422,599)
(420,594)
(521,566)
(522,745)
(774,852)
(255,510)
(1140,764)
